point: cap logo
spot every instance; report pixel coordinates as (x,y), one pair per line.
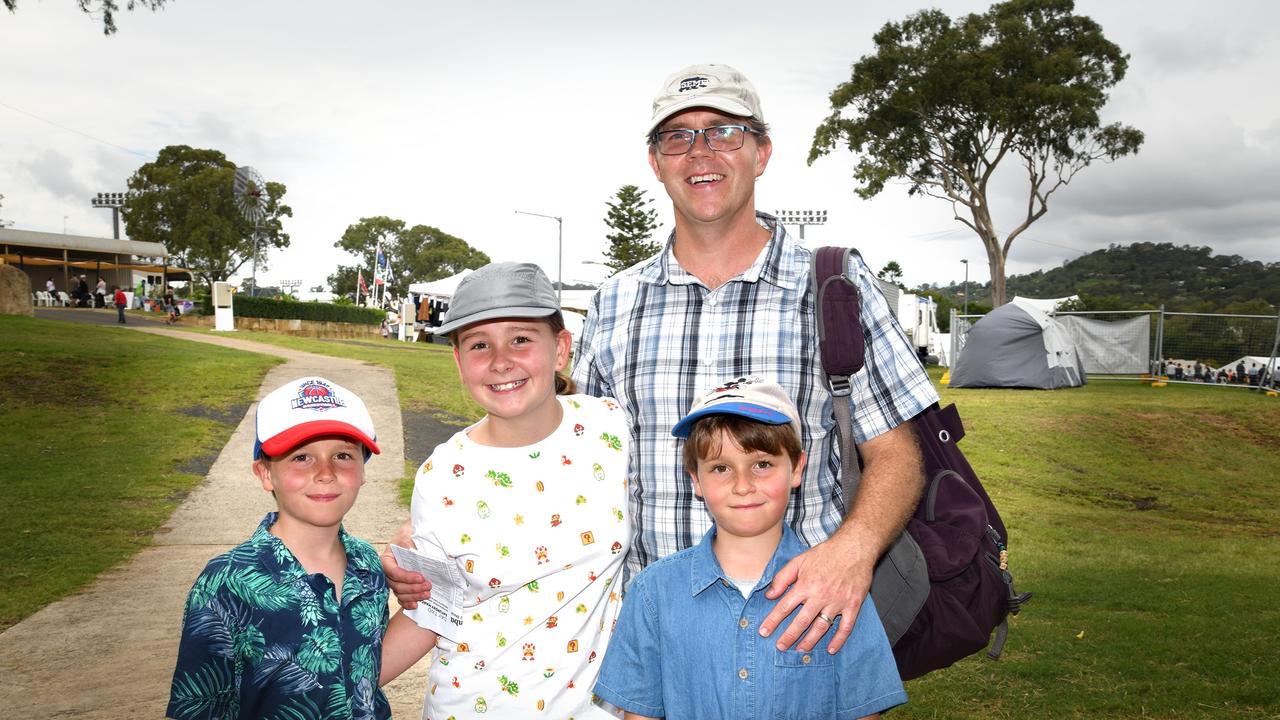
(697,82)
(315,395)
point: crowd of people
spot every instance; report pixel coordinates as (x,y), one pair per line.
(1254,375)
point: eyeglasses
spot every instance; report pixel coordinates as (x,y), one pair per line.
(721,138)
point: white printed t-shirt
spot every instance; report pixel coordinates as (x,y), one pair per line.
(539,533)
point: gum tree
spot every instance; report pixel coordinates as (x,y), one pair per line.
(942,103)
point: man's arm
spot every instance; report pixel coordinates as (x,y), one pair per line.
(408,586)
(833,577)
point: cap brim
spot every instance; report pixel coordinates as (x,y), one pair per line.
(750,411)
(511,312)
(304,432)
(723,104)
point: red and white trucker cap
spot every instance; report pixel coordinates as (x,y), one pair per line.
(308,408)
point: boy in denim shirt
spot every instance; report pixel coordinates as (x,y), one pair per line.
(687,643)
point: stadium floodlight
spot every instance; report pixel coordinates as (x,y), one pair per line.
(802,218)
(114,201)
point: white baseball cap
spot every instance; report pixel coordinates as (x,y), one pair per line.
(750,397)
(719,87)
(307,408)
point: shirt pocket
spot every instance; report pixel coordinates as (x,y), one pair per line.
(804,686)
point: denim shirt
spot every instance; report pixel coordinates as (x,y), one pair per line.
(688,645)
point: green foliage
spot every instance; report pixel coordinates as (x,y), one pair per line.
(633,221)
(1144,275)
(107,8)
(414,254)
(4,223)
(263,307)
(891,272)
(106,427)
(942,102)
(184,199)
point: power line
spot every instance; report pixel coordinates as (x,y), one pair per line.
(77,132)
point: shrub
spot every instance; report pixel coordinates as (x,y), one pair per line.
(261,307)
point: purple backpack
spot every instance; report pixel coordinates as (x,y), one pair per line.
(944,586)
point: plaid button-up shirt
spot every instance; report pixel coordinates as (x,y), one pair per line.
(656,339)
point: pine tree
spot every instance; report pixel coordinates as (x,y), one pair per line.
(632,222)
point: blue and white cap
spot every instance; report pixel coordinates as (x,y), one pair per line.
(750,397)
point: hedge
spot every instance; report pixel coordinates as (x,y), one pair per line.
(262,307)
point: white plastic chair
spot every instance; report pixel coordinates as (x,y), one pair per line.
(62,298)
(43,298)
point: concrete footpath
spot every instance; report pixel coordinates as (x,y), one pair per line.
(109,651)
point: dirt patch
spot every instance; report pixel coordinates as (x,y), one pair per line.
(1146,502)
(425,429)
(231,415)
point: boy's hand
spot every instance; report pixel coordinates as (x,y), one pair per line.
(409,587)
(827,579)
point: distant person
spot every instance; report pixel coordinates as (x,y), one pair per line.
(100,293)
(686,640)
(290,623)
(1177,371)
(120,300)
(1240,373)
(1199,371)
(1253,374)
(82,292)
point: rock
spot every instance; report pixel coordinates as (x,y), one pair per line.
(15,292)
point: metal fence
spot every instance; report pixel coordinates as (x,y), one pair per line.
(1234,350)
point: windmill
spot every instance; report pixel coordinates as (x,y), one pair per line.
(250,192)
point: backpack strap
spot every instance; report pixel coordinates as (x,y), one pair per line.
(841,348)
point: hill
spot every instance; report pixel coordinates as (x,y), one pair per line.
(1183,278)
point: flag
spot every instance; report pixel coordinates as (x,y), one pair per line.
(382,258)
(360,277)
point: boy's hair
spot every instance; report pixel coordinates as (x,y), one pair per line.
(710,431)
(555,321)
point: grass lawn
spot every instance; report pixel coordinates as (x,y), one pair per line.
(105,432)
(1147,523)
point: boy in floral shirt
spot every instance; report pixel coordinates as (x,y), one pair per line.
(290,622)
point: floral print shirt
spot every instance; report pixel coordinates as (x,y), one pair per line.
(263,638)
(539,534)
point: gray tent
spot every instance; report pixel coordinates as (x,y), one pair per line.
(1018,345)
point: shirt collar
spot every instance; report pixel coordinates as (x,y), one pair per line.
(705,570)
(778,263)
(284,568)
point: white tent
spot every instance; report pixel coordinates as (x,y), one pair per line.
(1018,345)
(442,288)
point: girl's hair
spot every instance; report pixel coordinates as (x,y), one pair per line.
(708,433)
(555,321)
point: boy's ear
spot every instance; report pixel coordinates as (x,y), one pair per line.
(262,468)
(797,472)
(697,487)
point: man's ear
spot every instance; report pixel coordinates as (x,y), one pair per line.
(262,468)
(764,150)
(653,163)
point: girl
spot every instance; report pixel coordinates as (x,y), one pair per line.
(530,502)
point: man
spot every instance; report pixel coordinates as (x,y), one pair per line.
(729,296)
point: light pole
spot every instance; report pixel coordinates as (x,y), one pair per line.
(802,218)
(113,201)
(966,286)
(559,251)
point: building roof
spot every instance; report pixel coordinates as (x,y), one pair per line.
(81,243)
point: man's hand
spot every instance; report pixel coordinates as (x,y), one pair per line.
(829,582)
(409,587)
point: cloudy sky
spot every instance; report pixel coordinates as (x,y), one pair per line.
(458,114)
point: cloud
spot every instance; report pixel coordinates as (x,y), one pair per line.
(53,171)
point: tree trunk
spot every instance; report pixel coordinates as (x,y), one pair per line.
(995,261)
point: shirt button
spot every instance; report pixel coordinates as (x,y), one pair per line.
(805,659)
(743,623)
(742,673)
